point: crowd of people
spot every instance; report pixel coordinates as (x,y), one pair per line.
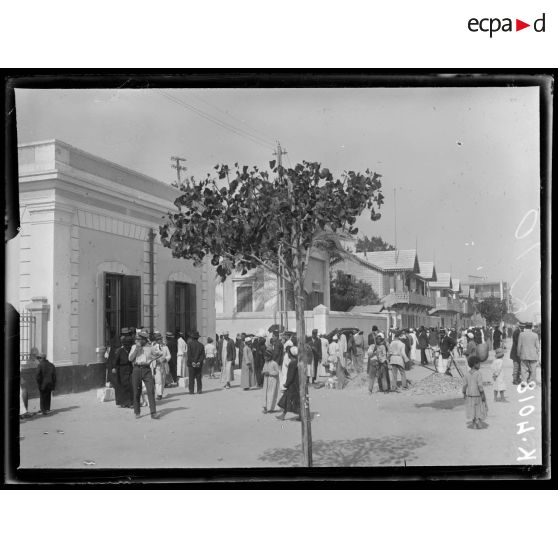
(143,365)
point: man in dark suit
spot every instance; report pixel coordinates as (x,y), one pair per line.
(514,356)
(316,345)
(196,356)
(172,344)
(46,381)
(276,348)
(423,344)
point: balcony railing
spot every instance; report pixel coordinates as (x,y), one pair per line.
(406,297)
(448,304)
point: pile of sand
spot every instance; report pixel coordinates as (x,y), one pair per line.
(436,384)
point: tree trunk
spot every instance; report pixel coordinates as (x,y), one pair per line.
(305,416)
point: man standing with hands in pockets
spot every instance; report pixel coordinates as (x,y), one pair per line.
(141,356)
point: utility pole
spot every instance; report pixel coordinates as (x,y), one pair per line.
(395,215)
(178,167)
(279,152)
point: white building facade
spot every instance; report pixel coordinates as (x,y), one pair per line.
(88,260)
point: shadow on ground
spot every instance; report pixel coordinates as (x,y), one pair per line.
(443,403)
(166,412)
(360,452)
(61,410)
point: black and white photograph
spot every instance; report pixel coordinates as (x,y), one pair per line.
(212,274)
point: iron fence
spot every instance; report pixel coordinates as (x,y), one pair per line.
(27,330)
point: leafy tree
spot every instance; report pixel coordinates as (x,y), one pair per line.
(373,244)
(346,292)
(244,218)
(492,309)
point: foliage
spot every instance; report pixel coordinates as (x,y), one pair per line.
(492,309)
(372,244)
(346,292)
(245,218)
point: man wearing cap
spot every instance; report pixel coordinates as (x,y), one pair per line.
(528,351)
(226,355)
(46,381)
(141,356)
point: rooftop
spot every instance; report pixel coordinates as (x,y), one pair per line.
(443,282)
(391,260)
(428,271)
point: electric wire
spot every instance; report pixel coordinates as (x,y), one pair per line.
(264,137)
(233,129)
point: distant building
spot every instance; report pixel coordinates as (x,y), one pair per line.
(398,279)
(247,303)
(482,288)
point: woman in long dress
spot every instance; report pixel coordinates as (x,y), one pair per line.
(475,399)
(247,373)
(285,366)
(271,382)
(290,400)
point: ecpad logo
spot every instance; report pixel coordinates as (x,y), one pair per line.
(493,25)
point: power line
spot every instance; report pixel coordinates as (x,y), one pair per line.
(263,137)
(242,133)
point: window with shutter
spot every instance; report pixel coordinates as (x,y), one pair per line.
(122,306)
(171,307)
(181,306)
(244,299)
(131,298)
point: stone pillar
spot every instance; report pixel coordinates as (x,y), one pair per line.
(40,310)
(321,314)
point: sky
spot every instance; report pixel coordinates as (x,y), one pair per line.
(461,164)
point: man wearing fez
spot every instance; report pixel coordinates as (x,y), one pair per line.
(141,356)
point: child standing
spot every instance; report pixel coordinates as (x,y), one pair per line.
(475,404)
(498,375)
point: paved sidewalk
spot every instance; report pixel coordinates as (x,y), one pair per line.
(226,428)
